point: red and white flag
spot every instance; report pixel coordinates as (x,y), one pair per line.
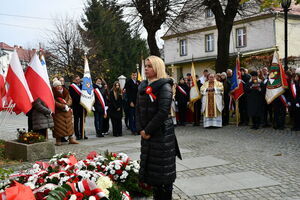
(18,89)
(38,82)
(2,90)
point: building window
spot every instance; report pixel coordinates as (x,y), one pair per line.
(209,13)
(241,37)
(209,42)
(183,47)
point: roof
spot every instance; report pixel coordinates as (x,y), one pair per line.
(294,9)
(24,54)
(200,23)
(5,46)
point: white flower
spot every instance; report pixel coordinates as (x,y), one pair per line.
(36,166)
(116,176)
(30,184)
(106,192)
(127,168)
(73,197)
(136,171)
(117,167)
(112,171)
(104,182)
(92,198)
(93,164)
(124,175)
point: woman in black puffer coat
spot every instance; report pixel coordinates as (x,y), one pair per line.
(159,145)
(41,117)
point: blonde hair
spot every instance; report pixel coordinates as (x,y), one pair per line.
(158,66)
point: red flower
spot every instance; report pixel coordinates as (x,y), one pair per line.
(92,155)
(39,196)
(119,172)
(41,181)
(46,192)
(88,193)
(79,195)
(114,155)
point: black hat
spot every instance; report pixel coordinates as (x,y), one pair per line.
(254,73)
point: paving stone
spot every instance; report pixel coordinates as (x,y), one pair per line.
(243,150)
(201,162)
(222,183)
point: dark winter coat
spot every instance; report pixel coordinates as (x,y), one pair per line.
(131,90)
(63,125)
(180,97)
(41,116)
(158,154)
(114,105)
(76,106)
(97,105)
(255,99)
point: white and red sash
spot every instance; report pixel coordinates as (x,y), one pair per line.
(101,99)
(293,89)
(181,90)
(76,88)
(283,100)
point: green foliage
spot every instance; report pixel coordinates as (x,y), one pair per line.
(115,193)
(114,48)
(132,185)
(4,173)
(59,193)
(2,145)
(273,3)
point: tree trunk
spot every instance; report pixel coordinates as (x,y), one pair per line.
(154,50)
(222,61)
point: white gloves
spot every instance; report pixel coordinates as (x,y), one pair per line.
(67,108)
(297,105)
(176,103)
(93,108)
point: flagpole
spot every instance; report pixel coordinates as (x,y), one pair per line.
(237,112)
(83,123)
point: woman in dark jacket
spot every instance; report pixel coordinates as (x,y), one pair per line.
(159,145)
(105,126)
(182,98)
(115,109)
(41,117)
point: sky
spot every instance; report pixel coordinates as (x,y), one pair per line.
(27,22)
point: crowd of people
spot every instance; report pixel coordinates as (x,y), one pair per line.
(213,108)
(217,105)
(152,107)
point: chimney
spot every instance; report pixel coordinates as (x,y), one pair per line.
(16,46)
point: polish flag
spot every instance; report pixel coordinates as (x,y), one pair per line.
(18,89)
(38,81)
(2,90)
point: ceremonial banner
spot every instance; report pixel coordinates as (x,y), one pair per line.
(194,91)
(87,98)
(277,82)
(237,89)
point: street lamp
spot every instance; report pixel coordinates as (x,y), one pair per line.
(285,4)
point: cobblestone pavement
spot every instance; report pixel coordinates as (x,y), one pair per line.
(271,153)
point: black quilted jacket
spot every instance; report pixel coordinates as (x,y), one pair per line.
(158,154)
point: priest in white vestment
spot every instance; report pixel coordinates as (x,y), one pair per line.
(212,102)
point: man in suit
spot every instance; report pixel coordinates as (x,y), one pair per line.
(78,110)
(131,87)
